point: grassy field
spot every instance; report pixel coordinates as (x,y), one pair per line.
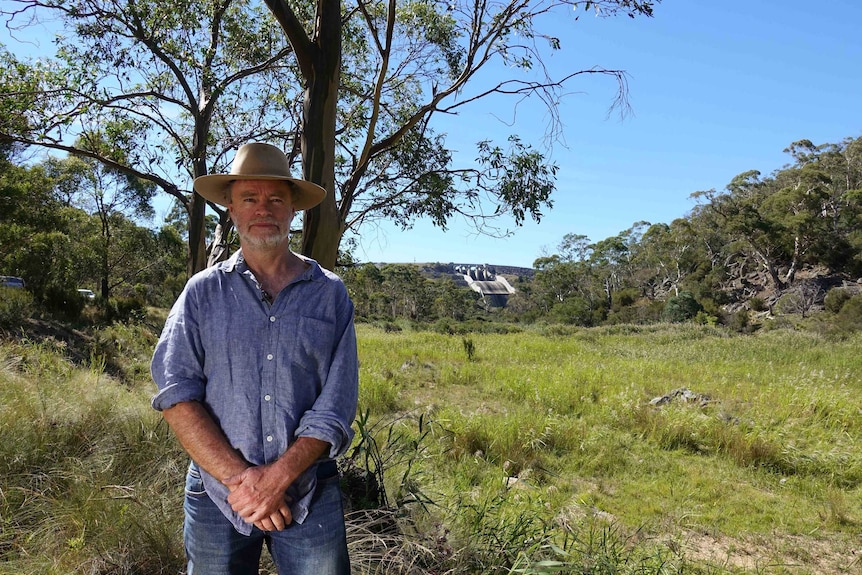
(550,450)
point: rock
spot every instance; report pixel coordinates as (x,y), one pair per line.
(682,394)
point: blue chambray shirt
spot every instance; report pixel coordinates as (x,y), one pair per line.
(268,374)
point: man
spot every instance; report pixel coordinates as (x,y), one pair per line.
(257,374)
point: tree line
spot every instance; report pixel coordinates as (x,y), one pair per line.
(775,244)
(743,247)
(763,243)
(67,224)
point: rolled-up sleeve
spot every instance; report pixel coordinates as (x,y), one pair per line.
(334,410)
(177,365)
(291,367)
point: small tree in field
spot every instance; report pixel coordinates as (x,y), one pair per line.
(681,308)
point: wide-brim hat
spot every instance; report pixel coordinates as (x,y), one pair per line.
(258,161)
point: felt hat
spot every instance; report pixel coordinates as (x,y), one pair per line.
(258,161)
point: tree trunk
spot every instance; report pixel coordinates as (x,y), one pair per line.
(218,247)
(322,227)
(105,286)
(197,234)
(791,273)
(198,205)
(772,271)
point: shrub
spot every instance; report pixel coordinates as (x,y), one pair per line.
(444,326)
(703,318)
(624,298)
(836,298)
(681,308)
(126,308)
(642,311)
(16,305)
(849,318)
(738,321)
(63,302)
(573,311)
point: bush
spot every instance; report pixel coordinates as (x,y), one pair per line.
(849,318)
(703,318)
(573,311)
(63,302)
(126,308)
(681,308)
(642,311)
(16,305)
(739,321)
(836,298)
(625,298)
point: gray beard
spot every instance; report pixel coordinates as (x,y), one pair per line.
(270,241)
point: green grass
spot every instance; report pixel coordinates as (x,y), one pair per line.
(529,452)
(564,422)
(89,474)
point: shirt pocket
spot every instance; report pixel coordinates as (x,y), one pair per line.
(316,342)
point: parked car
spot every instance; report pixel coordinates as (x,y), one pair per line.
(12,282)
(86,294)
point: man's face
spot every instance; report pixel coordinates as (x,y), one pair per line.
(262,211)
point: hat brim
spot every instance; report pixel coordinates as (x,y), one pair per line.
(214,188)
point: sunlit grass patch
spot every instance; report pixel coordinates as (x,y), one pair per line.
(85,467)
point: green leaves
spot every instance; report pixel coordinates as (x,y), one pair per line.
(519,177)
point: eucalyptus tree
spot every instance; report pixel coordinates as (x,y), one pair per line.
(566,280)
(611,260)
(406,291)
(170,88)
(752,239)
(32,229)
(114,198)
(828,178)
(353,88)
(805,214)
(364,284)
(797,203)
(666,256)
(372,144)
(452,301)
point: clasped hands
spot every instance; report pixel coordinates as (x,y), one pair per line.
(258,496)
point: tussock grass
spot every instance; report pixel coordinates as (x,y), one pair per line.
(539,451)
(88,473)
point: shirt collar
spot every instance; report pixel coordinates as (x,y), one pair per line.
(237,263)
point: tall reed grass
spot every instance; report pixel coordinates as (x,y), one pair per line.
(88,473)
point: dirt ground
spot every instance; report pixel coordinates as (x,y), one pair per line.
(776,554)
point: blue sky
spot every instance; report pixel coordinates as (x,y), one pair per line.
(717,88)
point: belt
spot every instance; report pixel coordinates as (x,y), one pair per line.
(327,469)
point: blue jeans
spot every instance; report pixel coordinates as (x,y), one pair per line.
(316,547)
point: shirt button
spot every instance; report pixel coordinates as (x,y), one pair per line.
(267,397)
(272,318)
(269,438)
(269,357)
